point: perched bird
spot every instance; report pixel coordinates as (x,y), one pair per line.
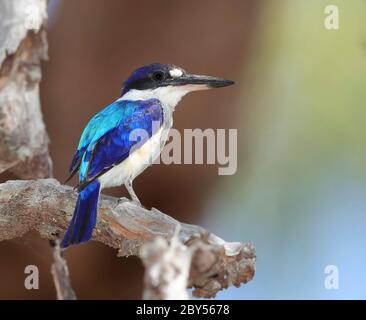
(108,154)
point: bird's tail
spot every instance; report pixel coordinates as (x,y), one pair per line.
(85,215)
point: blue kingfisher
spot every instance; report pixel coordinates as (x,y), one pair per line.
(109,155)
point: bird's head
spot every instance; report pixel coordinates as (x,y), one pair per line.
(167,82)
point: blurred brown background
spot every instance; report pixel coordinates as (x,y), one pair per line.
(93,46)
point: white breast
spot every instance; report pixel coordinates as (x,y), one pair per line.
(137,162)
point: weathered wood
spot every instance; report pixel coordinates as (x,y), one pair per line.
(47,206)
(60,273)
(23,44)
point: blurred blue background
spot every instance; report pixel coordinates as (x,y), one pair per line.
(301,195)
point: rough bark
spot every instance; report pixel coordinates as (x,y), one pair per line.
(47,206)
(23,137)
(167,268)
(23,44)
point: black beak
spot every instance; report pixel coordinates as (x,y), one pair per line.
(193,79)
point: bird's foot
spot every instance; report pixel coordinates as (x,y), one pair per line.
(137,202)
(133,195)
(121,200)
(134,201)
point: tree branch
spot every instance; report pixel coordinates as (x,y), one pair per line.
(23,137)
(47,206)
(167,267)
(23,44)
(60,273)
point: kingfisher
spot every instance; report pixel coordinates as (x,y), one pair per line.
(111,154)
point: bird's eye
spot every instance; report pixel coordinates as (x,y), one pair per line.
(158,76)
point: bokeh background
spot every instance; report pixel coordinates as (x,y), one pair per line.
(299,106)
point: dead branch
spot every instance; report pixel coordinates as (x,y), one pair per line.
(47,206)
(167,268)
(23,137)
(60,273)
(23,44)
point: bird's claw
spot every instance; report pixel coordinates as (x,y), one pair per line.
(137,203)
(134,201)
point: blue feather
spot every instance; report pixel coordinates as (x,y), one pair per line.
(104,143)
(84,218)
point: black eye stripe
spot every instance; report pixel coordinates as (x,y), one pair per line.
(143,78)
(151,82)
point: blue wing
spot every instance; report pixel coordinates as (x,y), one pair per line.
(106,141)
